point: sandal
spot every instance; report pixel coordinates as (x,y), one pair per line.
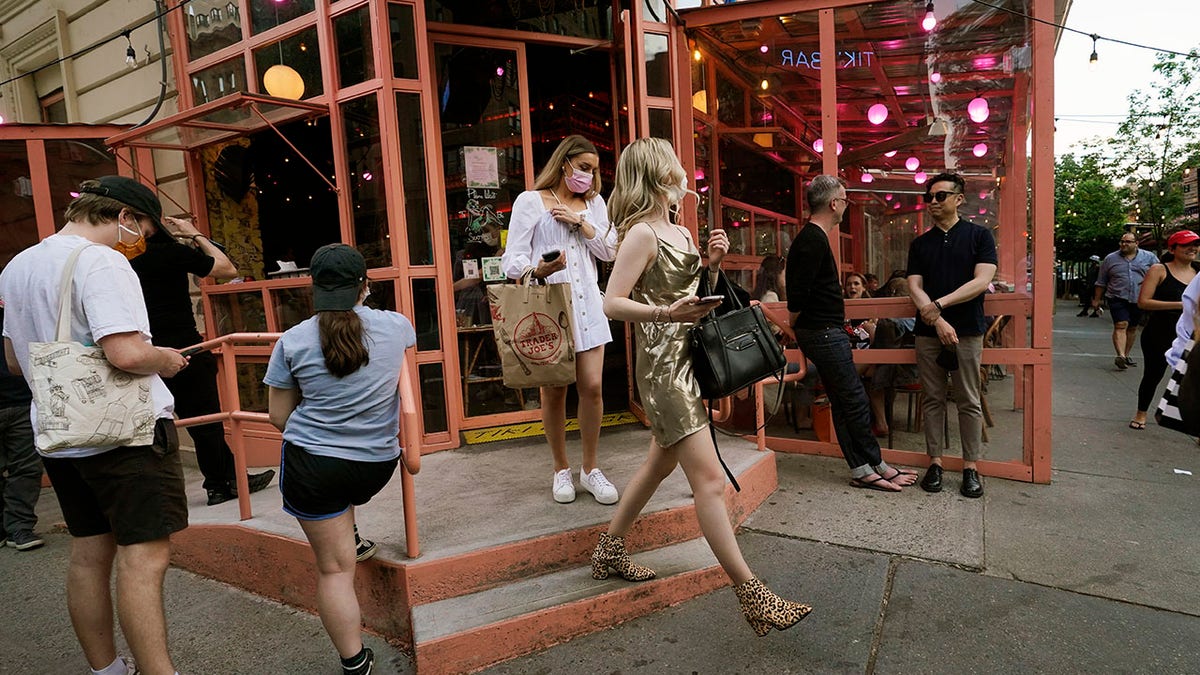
(871,484)
(1134,424)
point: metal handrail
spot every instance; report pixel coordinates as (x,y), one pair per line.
(409,427)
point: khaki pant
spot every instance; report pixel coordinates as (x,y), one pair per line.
(966,395)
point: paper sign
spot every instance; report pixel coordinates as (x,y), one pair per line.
(470,268)
(482,167)
(491,269)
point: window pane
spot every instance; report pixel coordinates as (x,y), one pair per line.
(656,10)
(660,124)
(70,162)
(383,295)
(266,14)
(557,17)
(356,58)
(16,193)
(658,66)
(416,192)
(292,305)
(212,25)
(364,153)
(425,314)
(56,112)
(298,52)
(433,397)
(238,313)
(220,80)
(404,41)
(766,236)
(252,393)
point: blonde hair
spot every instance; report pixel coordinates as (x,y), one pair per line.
(648,172)
(552,173)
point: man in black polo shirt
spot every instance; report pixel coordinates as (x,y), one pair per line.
(949,268)
(163,272)
(814,297)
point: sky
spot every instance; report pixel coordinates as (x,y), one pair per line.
(1081,96)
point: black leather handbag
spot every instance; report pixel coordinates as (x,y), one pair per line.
(734,350)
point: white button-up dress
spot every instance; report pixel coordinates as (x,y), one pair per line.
(532,231)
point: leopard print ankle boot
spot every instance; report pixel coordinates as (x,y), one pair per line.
(610,552)
(765,610)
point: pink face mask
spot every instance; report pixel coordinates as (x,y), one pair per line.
(578,182)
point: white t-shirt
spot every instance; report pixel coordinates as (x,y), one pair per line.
(106,299)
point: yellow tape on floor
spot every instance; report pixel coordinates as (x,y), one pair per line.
(527,429)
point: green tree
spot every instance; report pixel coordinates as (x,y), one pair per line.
(1089,210)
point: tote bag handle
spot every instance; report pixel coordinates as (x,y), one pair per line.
(64,294)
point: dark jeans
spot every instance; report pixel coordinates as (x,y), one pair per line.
(195,392)
(23,484)
(829,349)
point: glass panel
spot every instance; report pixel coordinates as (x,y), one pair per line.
(356,58)
(298,52)
(580,103)
(70,162)
(292,305)
(731,102)
(16,193)
(433,397)
(382,294)
(416,191)
(266,14)
(656,10)
(701,183)
(658,65)
(252,393)
(737,226)
(364,152)
(661,124)
(404,41)
(766,236)
(425,314)
(212,25)
(557,17)
(220,80)
(238,313)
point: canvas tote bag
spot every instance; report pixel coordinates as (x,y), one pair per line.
(82,400)
(532,324)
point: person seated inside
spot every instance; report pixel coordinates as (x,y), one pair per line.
(890,333)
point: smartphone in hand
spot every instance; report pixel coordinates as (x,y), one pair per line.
(709,299)
(551,255)
(192,351)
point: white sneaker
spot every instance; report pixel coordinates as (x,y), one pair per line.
(595,483)
(564,488)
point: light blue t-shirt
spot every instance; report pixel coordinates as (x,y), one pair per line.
(355,417)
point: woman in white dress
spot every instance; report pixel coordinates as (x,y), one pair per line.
(565,214)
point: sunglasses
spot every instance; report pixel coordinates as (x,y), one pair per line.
(939,196)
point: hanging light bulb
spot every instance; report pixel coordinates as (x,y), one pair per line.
(1094,61)
(935,77)
(891,153)
(867,177)
(764,49)
(877,114)
(696,54)
(912,163)
(764,85)
(819,145)
(977,109)
(283,82)
(888,197)
(930,20)
(130,54)
(920,177)
(979,150)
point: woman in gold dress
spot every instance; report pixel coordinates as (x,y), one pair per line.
(653,285)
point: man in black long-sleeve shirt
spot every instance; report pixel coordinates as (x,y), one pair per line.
(814,296)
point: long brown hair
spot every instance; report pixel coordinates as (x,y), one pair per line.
(570,146)
(342,342)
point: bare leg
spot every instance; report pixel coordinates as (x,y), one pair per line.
(878,411)
(140,572)
(589,368)
(704,473)
(658,465)
(89,597)
(554,420)
(332,542)
(1119,331)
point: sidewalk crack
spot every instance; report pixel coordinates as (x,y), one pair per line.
(877,634)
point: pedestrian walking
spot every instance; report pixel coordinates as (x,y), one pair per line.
(20,465)
(1119,281)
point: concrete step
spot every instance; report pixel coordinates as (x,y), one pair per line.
(470,632)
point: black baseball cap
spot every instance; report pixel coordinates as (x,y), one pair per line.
(338,272)
(130,193)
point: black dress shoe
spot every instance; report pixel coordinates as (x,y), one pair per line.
(257,481)
(971,485)
(932,482)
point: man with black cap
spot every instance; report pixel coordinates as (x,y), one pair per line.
(162,263)
(121,504)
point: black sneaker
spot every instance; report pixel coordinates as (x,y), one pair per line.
(932,482)
(364,549)
(363,667)
(1130,362)
(24,540)
(257,482)
(1119,362)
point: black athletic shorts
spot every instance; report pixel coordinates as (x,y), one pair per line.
(135,492)
(316,487)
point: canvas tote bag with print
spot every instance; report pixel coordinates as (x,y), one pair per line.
(532,324)
(82,400)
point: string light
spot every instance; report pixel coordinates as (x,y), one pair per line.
(912,163)
(877,114)
(930,20)
(1094,61)
(978,110)
(697,55)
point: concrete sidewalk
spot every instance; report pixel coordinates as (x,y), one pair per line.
(1097,572)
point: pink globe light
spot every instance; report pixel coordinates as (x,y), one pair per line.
(935,77)
(838,149)
(819,145)
(867,178)
(930,20)
(912,163)
(979,150)
(499,71)
(699,174)
(982,211)
(896,205)
(74,195)
(920,177)
(763,48)
(877,114)
(367,175)
(890,154)
(887,197)
(984,194)
(977,109)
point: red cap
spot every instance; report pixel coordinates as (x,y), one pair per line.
(1182,238)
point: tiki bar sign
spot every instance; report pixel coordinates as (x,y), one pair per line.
(800,58)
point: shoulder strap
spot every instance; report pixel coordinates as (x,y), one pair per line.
(64,293)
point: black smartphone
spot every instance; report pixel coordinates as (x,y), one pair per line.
(550,255)
(711,298)
(192,351)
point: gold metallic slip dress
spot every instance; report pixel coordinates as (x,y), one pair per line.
(669,392)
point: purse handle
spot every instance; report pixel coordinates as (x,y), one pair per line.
(737,302)
(64,294)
